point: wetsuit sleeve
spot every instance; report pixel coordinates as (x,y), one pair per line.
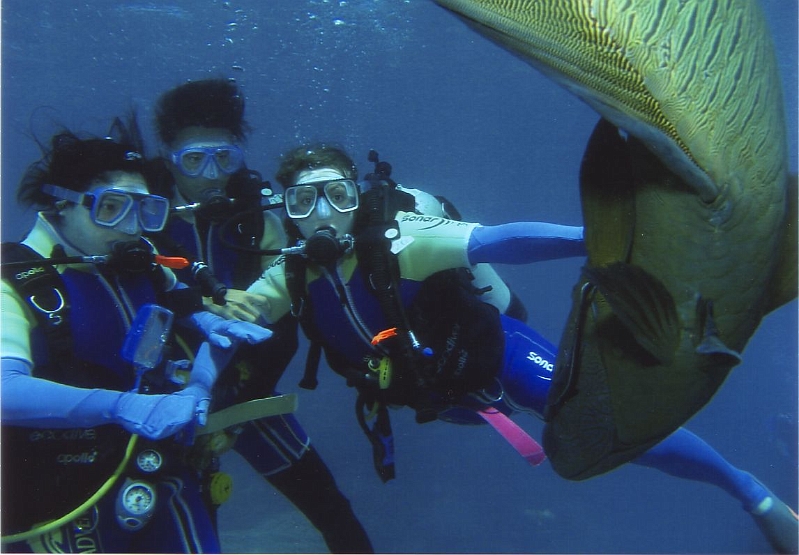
(274,237)
(430,244)
(496,291)
(524,243)
(16,324)
(272,285)
(25,398)
(39,403)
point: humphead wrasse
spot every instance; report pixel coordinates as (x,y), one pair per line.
(689,213)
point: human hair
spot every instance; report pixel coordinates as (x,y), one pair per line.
(77,163)
(311,156)
(207,103)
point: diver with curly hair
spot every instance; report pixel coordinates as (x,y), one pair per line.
(202,129)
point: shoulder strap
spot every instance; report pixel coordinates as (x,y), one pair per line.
(301,309)
(377,227)
(380,267)
(43,289)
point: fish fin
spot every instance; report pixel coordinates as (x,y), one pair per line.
(643,304)
(711,343)
(567,362)
(607,195)
(785,284)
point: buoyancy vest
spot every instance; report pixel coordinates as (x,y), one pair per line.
(444,312)
(447,342)
(48,472)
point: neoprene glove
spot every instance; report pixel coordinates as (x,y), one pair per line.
(154,416)
(208,363)
(202,401)
(169,415)
(223,333)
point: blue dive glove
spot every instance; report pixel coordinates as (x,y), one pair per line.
(154,416)
(208,363)
(222,332)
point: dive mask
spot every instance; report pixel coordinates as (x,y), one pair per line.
(110,206)
(207,161)
(342,194)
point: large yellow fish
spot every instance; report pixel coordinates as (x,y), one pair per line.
(690,214)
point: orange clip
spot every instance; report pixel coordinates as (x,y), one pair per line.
(383,335)
(174,262)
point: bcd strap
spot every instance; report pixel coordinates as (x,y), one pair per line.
(377,227)
(295,267)
(42,288)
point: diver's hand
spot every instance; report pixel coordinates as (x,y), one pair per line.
(224,333)
(202,401)
(239,305)
(154,416)
(208,364)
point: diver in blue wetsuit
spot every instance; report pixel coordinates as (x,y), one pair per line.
(93,457)
(202,129)
(387,292)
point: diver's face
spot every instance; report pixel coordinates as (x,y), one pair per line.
(195,189)
(79,229)
(323,215)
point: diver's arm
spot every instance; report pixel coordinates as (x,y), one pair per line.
(274,295)
(274,237)
(524,243)
(39,403)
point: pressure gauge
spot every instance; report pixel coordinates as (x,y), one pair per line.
(149,461)
(135,504)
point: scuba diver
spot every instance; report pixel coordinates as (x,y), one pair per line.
(203,173)
(388,294)
(94,441)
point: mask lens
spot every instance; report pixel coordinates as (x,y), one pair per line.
(300,201)
(110,208)
(342,195)
(229,159)
(153,213)
(192,161)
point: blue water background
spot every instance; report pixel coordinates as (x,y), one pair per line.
(455,115)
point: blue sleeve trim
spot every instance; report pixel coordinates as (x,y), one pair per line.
(524,243)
